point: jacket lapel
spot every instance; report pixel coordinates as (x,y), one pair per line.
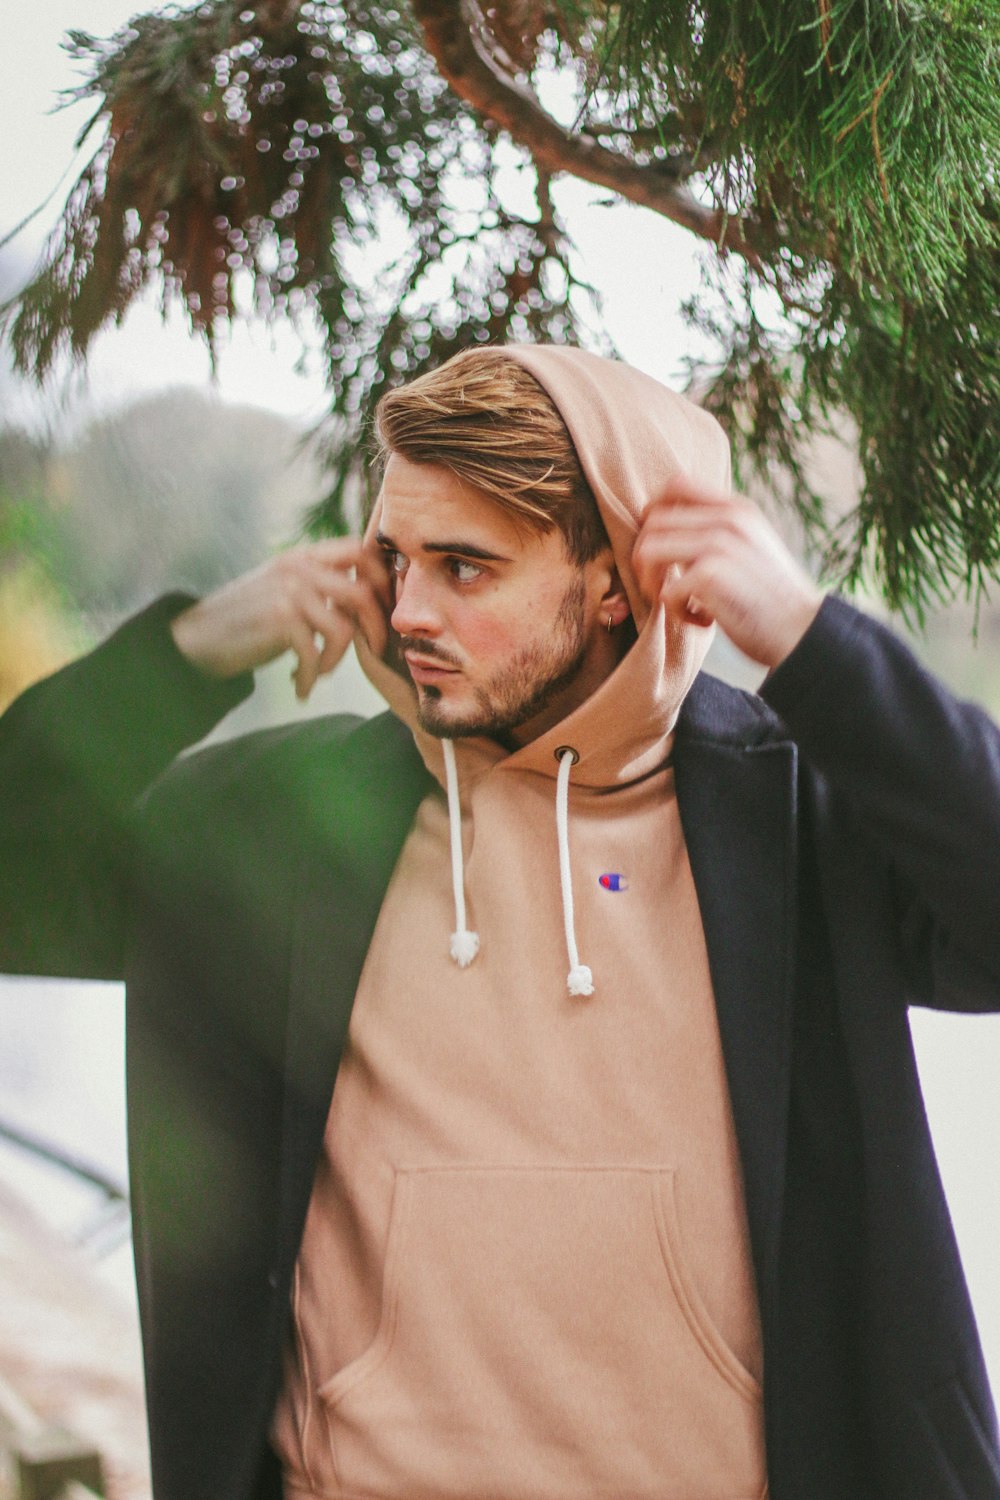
(736,794)
(360,799)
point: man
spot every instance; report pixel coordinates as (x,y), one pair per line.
(624,1188)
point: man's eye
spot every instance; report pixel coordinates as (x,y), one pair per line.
(397,563)
(465,572)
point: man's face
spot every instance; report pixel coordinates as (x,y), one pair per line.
(500,630)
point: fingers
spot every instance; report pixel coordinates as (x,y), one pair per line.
(688,541)
(320,636)
(366,600)
(672,563)
(708,556)
(309,599)
(325,601)
(363,599)
(680,596)
(303,643)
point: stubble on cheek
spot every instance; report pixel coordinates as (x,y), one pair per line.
(528,682)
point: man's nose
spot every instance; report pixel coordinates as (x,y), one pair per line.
(415,612)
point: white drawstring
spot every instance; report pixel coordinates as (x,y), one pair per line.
(579,980)
(464,944)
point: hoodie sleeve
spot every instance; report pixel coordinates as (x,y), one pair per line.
(76,750)
(922,770)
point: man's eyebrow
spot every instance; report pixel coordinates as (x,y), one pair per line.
(456,548)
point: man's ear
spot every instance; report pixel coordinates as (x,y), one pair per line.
(614,607)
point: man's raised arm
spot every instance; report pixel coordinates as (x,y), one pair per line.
(78,749)
(920,769)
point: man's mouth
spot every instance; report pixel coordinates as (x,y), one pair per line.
(427,669)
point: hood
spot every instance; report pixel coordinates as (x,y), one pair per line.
(632,435)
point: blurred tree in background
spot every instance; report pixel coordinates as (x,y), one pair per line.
(172,491)
(343,164)
(33,636)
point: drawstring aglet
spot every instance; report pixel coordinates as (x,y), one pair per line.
(580,980)
(464,947)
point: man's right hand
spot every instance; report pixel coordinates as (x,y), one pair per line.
(309,600)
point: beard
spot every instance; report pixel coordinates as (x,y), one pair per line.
(524,687)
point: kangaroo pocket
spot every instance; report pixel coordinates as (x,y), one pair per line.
(541,1336)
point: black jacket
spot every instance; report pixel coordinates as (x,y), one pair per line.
(844,835)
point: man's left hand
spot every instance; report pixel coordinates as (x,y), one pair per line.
(709,556)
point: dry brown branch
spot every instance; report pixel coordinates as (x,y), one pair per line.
(825,32)
(872,110)
(455,36)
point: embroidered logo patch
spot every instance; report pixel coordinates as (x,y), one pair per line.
(612,881)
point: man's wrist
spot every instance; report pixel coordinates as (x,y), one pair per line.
(794,627)
(199,645)
(184,629)
(813,663)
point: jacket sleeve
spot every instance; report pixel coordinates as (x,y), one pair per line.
(76,750)
(921,770)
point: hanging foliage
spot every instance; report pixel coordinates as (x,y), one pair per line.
(845,156)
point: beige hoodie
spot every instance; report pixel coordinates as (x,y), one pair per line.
(525,1273)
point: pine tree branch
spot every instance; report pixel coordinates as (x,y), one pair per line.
(454,34)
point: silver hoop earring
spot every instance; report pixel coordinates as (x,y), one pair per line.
(611,624)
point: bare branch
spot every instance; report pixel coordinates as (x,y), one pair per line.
(454,35)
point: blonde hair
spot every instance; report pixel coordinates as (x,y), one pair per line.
(489,421)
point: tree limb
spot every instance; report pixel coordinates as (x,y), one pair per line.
(453,33)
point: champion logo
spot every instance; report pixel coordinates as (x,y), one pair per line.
(612,881)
